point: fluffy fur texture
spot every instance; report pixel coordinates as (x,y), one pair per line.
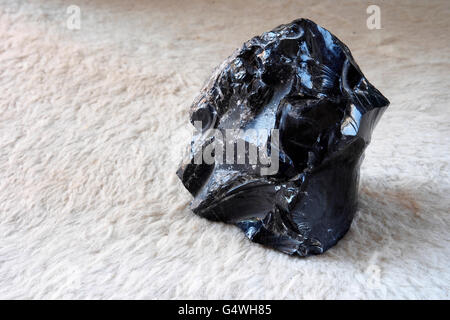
(93,123)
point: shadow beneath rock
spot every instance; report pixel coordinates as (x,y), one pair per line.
(397,222)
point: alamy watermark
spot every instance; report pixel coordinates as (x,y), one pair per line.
(73,22)
(256,147)
(374,19)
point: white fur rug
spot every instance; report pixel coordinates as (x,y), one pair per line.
(93,121)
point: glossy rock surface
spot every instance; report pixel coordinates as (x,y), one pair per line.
(302,81)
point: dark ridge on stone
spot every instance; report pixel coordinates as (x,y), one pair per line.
(303,81)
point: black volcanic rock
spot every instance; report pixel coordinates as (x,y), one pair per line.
(299,88)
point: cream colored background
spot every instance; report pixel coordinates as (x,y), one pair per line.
(92,123)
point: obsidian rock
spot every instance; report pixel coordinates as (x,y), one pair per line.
(313,111)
